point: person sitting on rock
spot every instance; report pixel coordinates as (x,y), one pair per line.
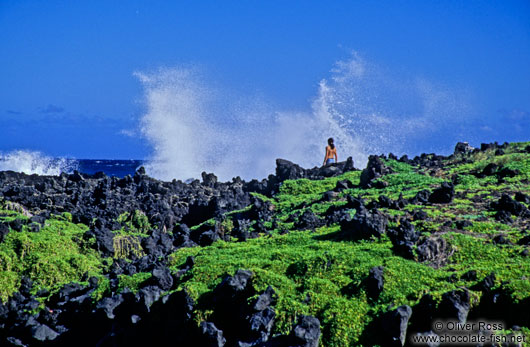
(331,151)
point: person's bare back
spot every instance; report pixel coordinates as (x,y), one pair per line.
(331,153)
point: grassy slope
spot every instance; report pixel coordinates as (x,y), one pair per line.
(314,272)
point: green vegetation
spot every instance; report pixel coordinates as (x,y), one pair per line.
(314,265)
(134,224)
(127,247)
(313,272)
(56,255)
(133,282)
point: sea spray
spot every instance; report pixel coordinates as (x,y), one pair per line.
(33,162)
(193,127)
(190,133)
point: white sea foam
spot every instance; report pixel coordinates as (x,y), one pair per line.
(193,127)
(33,162)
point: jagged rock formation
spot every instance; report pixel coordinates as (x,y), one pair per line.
(396,213)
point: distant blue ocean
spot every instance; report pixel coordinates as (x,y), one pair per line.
(31,162)
(118,168)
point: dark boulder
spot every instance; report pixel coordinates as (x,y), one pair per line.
(364,225)
(422,197)
(208,237)
(385,201)
(423,314)
(261,209)
(487,284)
(521,197)
(308,220)
(504,217)
(209,180)
(104,241)
(463,148)
(234,288)
(471,275)
(266,299)
(260,325)
(211,336)
(419,215)
(343,184)
(107,305)
(4,230)
(489,170)
(286,170)
(462,224)
(147,296)
(507,172)
(507,204)
(435,250)
(501,240)
(394,326)
(330,196)
(306,332)
(374,169)
(161,277)
(525,240)
(41,332)
(17,224)
(26,284)
(374,282)
(403,238)
(455,305)
(444,194)
(486,146)
(348,165)
(336,214)
(329,170)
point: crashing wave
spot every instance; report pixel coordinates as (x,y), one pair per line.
(34,162)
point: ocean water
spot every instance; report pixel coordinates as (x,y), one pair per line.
(118,168)
(31,162)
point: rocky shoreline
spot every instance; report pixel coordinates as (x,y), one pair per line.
(98,201)
(171,215)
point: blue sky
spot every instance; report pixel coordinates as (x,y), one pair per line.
(67,83)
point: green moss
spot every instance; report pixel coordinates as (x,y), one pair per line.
(485,257)
(127,247)
(133,282)
(307,264)
(398,182)
(398,166)
(134,224)
(56,255)
(488,227)
(102,290)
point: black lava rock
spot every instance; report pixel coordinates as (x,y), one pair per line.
(443,195)
(306,332)
(374,282)
(374,169)
(308,220)
(455,305)
(211,336)
(364,225)
(394,326)
(403,238)
(434,250)
(507,204)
